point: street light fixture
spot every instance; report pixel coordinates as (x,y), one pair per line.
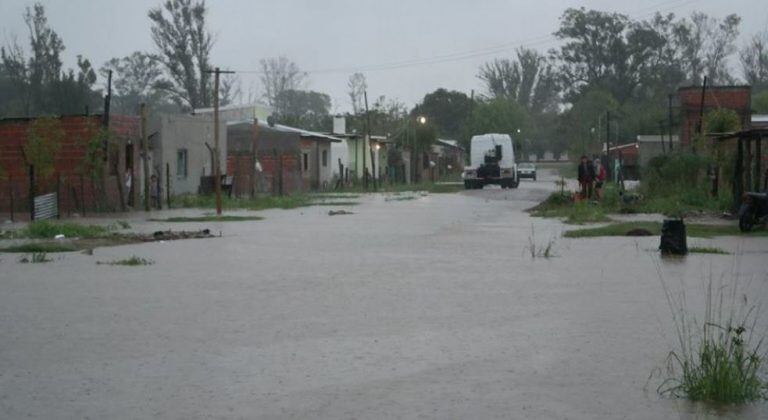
(422,119)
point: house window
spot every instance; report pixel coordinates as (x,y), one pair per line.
(181,163)
(325,158)
(305,160)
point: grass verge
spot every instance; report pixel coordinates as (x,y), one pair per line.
(39,247)
(212,218)
(707,250)
(692,230)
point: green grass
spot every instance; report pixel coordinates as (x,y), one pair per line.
(720,359)
(707,250)
(692,230)
(130,262)
(208,218)
(561,206)
(39,247)
(45,229)
(333,196)
(260,203)
(333,203)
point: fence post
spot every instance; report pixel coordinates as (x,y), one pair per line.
(82,195)
(168,184)
(32,192)
(58,196)
(10,191)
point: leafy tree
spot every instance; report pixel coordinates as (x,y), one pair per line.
(581,124)
(37,85)
(180,34)
(44,138)
(303,108)
(721,120)
(760,102)
(279,74)
(45,63)
(357,86)
(497,116)
(530,80)
(604,50)
(447,110)
(705,45)
(754,61)
(137,78)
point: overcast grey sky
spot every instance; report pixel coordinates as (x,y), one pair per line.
(446,39)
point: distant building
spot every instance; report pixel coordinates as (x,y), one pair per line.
(650,146)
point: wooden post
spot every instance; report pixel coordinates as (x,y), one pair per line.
(748,165)
(145,150)
(32,192)
(758,159)
(275,190)
(82,195)
(217,168)
(58,196)
(10,194)
(168,185)
(737,174)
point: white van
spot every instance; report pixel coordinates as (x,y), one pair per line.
(492,161)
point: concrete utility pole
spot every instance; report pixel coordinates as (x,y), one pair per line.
(216,164)
(145,151)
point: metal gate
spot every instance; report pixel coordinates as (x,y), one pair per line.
(46,206)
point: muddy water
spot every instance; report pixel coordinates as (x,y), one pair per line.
(425,308)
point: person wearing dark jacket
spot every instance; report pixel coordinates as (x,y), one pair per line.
(586,177)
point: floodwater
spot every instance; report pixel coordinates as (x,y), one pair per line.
(423,308)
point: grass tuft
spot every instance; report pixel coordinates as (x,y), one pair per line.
(720,359)
(45,229)
(130,262)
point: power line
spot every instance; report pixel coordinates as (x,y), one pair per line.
(468,54)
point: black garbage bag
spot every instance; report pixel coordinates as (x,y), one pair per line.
(673,238)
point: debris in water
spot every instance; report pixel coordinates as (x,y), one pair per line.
(338,212)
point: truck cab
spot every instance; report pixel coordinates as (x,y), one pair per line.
(492,161)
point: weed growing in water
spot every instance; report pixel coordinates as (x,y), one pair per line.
(720,359)
(36,257)
(540,251)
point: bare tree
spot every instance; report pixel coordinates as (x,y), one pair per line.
(185,45)
(279,74)
(357,86)
(754,61)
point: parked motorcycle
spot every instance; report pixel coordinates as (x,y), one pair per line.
(753,210)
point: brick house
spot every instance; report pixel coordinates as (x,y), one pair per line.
(737,98)
(77,192)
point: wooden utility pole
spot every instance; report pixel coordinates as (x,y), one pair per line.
(216,164)
(367,137)
(145,151)
(608,167)
(670,123)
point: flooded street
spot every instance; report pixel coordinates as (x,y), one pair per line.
(423,308)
